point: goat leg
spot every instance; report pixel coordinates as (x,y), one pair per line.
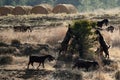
(38,65)
(43,65)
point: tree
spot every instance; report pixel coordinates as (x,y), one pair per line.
(22,2)
(74,2)
(7,2)
(1,2)
(82,31)
(96,4)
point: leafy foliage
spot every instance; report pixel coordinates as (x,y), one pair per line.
(82,31)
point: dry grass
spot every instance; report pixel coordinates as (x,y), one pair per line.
(116,39)
(52,35)
(101,13)
(103,76)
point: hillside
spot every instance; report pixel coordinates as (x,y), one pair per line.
(47,33)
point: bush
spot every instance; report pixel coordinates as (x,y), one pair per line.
(6,59)
(83,36)
(5,50)
(28,50)
(15,43)
(3,44)
(117,75)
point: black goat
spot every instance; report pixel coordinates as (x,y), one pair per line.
(110,28)
(81,63)
(100,23)
(67,38)
(39,59)
(103,44)
(22,28)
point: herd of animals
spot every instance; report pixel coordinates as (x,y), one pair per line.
(80,63)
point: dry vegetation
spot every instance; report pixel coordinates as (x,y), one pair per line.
(16,69)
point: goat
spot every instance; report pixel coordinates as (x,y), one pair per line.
(67,38)
(22,28)
(100,23)
(110,28)
(81,63)
(102,43)
(39,59)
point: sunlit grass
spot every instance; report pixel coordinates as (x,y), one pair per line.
(37,36)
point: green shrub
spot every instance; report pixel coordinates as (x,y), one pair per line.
(117,75)
(6,59)
(83,36)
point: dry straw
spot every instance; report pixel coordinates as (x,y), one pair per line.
(21,10)
(64,8)
(5,10)
(42,9)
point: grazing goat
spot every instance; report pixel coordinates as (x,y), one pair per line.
(103,44)
(39,59)
(81,63)
(100,23)
(22,28)
(110,28)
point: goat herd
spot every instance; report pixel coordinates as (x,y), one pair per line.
(82,63)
